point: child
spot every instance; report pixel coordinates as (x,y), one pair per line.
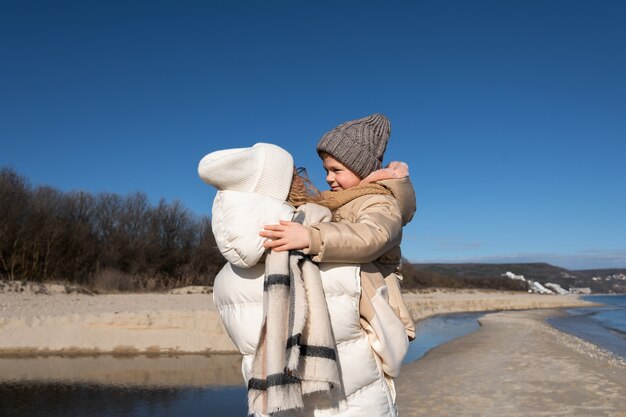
(370,206)
(253,184)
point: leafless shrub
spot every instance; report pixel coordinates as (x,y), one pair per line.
(112,280)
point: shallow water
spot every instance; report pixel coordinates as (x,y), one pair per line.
(86,400)
(186,386)
(106,386)
(438,330)
(604,326)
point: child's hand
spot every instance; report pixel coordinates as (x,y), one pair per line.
(285,236)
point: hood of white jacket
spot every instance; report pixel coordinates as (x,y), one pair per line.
(237,219)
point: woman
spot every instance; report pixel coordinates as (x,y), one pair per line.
(254,186)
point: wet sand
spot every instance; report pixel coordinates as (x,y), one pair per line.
(515,365)
(141,371)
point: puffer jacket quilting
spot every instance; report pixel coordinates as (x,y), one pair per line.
(238,295)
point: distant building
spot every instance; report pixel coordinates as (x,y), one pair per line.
(621,277)
(536,287)
(511,275)
(556,288)
(580,290)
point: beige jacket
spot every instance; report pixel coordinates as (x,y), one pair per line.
(368,231)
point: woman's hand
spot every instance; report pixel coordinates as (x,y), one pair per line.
(285,236)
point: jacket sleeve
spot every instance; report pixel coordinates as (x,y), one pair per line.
(385,330)
(376,229)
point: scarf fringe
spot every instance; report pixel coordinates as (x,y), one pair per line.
(284,397)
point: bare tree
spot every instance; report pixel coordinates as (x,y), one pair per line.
(14,193)
(46,234)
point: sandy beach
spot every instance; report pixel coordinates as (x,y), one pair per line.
(185,322)
(514,365)
(121,324)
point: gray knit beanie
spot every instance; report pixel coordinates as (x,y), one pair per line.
(358,144)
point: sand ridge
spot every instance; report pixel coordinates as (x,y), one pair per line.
(180,323)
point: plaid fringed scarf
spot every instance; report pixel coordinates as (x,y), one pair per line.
(296,354)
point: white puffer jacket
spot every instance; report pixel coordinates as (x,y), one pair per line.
(238,294)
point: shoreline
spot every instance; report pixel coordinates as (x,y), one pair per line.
(602,325)
(437,330)
(189,371)
(514,365)
(183,323)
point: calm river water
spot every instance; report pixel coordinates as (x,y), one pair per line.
(186,386)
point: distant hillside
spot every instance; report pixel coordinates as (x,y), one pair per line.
(590,273)
(613,279)
(456,276)
(490,276)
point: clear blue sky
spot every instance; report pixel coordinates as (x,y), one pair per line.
(511,115)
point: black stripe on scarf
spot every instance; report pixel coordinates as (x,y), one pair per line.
(271,381)
(318,352)
(276,279)
(293,340)
(310,350)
